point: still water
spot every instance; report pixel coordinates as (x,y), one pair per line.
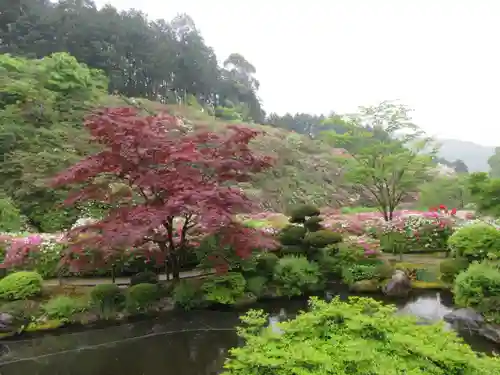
(180,343)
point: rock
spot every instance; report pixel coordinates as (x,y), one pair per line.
(8,323)
(365,286)
(466,318)
(470,320)
(398,285)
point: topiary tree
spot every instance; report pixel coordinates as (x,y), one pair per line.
(306,236)
(358,337)
(21,285)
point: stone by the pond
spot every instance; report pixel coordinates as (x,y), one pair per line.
(365,286)
(7,323)
(471,320)
(398,285)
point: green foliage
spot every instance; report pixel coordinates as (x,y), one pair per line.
(292,235)
(140,297)
(257,285)
(106,297)
(63,308)
(485,193)
(187,295)
(146,277)
(475,242)
(21,285)
(266,262)
(23,310)
(224,289)
(450,191)
(387,154)
(358,272)
(450,268)
(322,238)
(230,114)
(10,216)
(295,275)
(313,224)
(479,287)
(360,336)
(301,213)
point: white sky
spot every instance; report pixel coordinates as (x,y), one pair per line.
(439,57)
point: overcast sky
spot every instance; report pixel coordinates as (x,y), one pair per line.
(439,57)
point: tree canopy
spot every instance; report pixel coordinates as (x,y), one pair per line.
(156,59)
(385,154)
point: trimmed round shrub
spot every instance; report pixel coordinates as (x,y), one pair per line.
(266,263)
(479,287)
(106,296)
(322,238)
(292,235)
(475,242)
(146,277)
(295,275)
(313,224)
(300,213)
(256,285)
(21,285)
(224,289)
(187,295)
(141,297)
(450,268)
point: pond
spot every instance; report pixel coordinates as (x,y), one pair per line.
(179,343)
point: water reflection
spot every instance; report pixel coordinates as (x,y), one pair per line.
(193,343)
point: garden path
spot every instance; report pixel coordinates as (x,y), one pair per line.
(80,281)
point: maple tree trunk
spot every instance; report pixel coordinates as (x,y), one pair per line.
(173,259)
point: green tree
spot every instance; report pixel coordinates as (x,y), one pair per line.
(452,191)
(485,193)
(42,104)
(361,336)
(494,162)
(386,154)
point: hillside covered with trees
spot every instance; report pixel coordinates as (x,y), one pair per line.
(61,60)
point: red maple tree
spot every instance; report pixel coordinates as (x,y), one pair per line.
(165,182)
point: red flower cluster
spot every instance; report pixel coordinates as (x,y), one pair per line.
(443,209)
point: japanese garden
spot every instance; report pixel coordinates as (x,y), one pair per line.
(150,208)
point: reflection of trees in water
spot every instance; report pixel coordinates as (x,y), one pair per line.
(200,353)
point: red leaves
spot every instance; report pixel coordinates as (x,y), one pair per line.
(171,174)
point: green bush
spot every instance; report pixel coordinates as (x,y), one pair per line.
(292,235)
(450,268)
(21,285)
(257,285)
(63,308)
(106,297)
(313,224)
(358,337)
(295,275)
(479,287)
(140,297)
(358,272)
(475,242)
(322,238)
(10,216)
(146,277)
(224,289)
(22,310)
(266,263)
(187,295)
(300,213)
